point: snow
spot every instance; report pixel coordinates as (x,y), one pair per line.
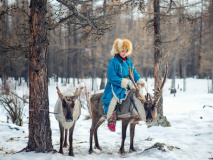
(191,131)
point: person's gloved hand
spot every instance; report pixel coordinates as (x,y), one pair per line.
(141,83)
(130,85)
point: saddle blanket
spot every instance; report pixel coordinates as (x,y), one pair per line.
(127,109)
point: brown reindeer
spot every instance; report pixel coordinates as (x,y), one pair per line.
(150,107)
(68,110)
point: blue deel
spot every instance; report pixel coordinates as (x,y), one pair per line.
(117,70)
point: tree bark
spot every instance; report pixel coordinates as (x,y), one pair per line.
(160,119)
(39,123)
(157,45)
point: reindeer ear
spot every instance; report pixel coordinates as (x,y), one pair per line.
(59,93)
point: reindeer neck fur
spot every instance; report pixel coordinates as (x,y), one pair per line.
(60,116)
(140,108)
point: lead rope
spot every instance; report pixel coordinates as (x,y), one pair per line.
(42,109)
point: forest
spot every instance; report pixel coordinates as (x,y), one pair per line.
(50,44)
(186,38)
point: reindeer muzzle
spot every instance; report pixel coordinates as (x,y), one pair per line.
(148,121)
(69,120)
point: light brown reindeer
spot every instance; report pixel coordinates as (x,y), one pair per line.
(68,111)
(150,107)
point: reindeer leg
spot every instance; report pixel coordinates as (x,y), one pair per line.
(61,138)
(94,122)
(100,121)
(125,123)
(70,140)
(132,134)
(65,140)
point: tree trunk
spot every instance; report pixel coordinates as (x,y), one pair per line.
(184,75)
(211,15)
(75,39)
(103,80)
(94,70)
(69,55)
(157,44)
(173,90)
(39,122)
(212,71)
(180,70)
(200,43)
(160,119)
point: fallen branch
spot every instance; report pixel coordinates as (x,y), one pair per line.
(161,146)
(207,106)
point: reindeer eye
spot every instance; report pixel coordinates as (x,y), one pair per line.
(73,104)
(63,103)
(145,105)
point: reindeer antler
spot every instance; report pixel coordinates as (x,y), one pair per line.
(158,91)
(132,78)
(165,76)
(138,93)
(149,98)
(61,96)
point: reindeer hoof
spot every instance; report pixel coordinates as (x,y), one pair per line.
(90,151)
(61,151)
(121,151)
(132,150)
(71,154)
(98,147)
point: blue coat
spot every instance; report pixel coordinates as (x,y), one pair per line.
(116,86)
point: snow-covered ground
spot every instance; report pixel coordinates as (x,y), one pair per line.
(191,131)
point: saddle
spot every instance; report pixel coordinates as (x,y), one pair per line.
(124,110)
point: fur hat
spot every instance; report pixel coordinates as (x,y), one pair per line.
(121,44)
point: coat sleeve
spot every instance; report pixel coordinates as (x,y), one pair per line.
(113,77)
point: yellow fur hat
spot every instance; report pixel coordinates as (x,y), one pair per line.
(121,44)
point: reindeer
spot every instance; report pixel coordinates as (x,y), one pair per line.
(68,111)
(150,109)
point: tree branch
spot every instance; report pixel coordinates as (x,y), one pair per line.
(80,17)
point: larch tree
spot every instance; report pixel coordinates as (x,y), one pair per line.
(39,122)
(160,120)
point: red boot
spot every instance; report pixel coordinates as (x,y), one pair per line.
(111,122)
(111,126)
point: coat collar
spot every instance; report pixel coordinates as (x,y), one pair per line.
(120,59)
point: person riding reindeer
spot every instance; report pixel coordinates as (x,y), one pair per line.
(116,90)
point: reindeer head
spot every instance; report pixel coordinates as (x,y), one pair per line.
(68,103)
(150,109)
(150,105)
